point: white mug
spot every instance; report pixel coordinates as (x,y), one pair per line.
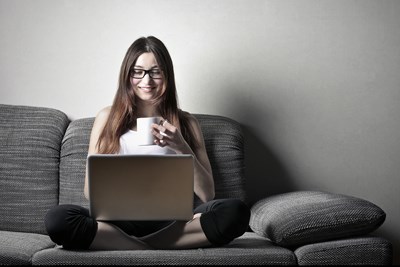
(144,130)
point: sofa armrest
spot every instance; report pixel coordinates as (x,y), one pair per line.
(304,217)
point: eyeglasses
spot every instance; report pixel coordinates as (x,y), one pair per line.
(153,73)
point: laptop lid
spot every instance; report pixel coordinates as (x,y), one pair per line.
(141,187)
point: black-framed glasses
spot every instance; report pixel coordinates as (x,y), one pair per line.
(140,73)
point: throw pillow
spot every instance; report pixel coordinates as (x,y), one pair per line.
(304,217)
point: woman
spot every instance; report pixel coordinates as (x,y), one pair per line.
(147,89)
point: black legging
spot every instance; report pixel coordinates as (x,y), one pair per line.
(222,221)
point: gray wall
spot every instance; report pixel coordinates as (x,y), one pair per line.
(315,83)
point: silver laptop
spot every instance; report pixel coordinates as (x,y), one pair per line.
(141,187)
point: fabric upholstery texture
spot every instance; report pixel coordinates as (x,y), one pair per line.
(357,251)
(18,248)
(225,145)
(304,217)
(74,151)
(30,156)
(249,249)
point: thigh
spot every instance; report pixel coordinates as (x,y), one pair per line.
(140,228)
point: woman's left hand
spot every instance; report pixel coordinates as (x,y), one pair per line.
(166,134)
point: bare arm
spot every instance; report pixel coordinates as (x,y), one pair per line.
(98,126)
(203,178)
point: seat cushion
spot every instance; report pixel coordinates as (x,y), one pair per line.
(305,217)
(18,248)
(248,249)
(355,251)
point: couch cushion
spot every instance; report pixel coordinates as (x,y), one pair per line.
(30,140)
(224,144)
(17,248)
(74,152)
(225,148)
(355,251)
(304,217)
(248,249)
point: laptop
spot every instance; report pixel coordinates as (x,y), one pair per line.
(141,187)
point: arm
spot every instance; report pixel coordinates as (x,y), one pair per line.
(203,178)
(98,126)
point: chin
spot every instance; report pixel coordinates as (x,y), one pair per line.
(147,98)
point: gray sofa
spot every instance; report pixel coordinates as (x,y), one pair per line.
(42,164)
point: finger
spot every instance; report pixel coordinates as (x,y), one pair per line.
(162,129)
(159,128)
(161,143)
(169,128)
(162,122)
(158,135)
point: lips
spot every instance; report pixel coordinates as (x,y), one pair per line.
(146,88)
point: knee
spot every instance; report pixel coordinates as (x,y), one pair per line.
(227,220)
(56,220)
(236,214)
(70,226)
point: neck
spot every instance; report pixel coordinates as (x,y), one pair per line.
(147,110)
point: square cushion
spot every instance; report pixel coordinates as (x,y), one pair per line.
(304,217)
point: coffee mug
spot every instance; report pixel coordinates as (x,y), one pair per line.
(144,130)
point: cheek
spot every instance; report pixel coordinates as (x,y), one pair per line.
(134,82)
(163,87)
(161,84)
(134,85)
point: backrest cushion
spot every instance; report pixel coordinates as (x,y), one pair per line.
(30,140)
(224,144)
(74,151)
(225,148)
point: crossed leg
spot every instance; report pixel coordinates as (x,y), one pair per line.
(177,235)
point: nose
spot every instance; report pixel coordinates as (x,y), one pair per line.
(146,77)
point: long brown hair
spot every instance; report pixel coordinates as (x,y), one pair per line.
(123,112)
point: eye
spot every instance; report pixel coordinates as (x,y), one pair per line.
(136,71)
(156,73)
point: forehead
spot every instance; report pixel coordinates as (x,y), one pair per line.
(146,60)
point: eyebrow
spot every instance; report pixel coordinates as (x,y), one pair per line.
(153,67)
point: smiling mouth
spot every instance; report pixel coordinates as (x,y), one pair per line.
(146,89)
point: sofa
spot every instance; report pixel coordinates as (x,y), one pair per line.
(42,163)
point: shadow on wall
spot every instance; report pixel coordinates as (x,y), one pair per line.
(265,173)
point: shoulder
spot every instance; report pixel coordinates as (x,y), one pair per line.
(190,118)
(98,126)
(192,124)
(102,117)
(104,113)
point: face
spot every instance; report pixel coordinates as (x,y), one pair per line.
(147,88)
